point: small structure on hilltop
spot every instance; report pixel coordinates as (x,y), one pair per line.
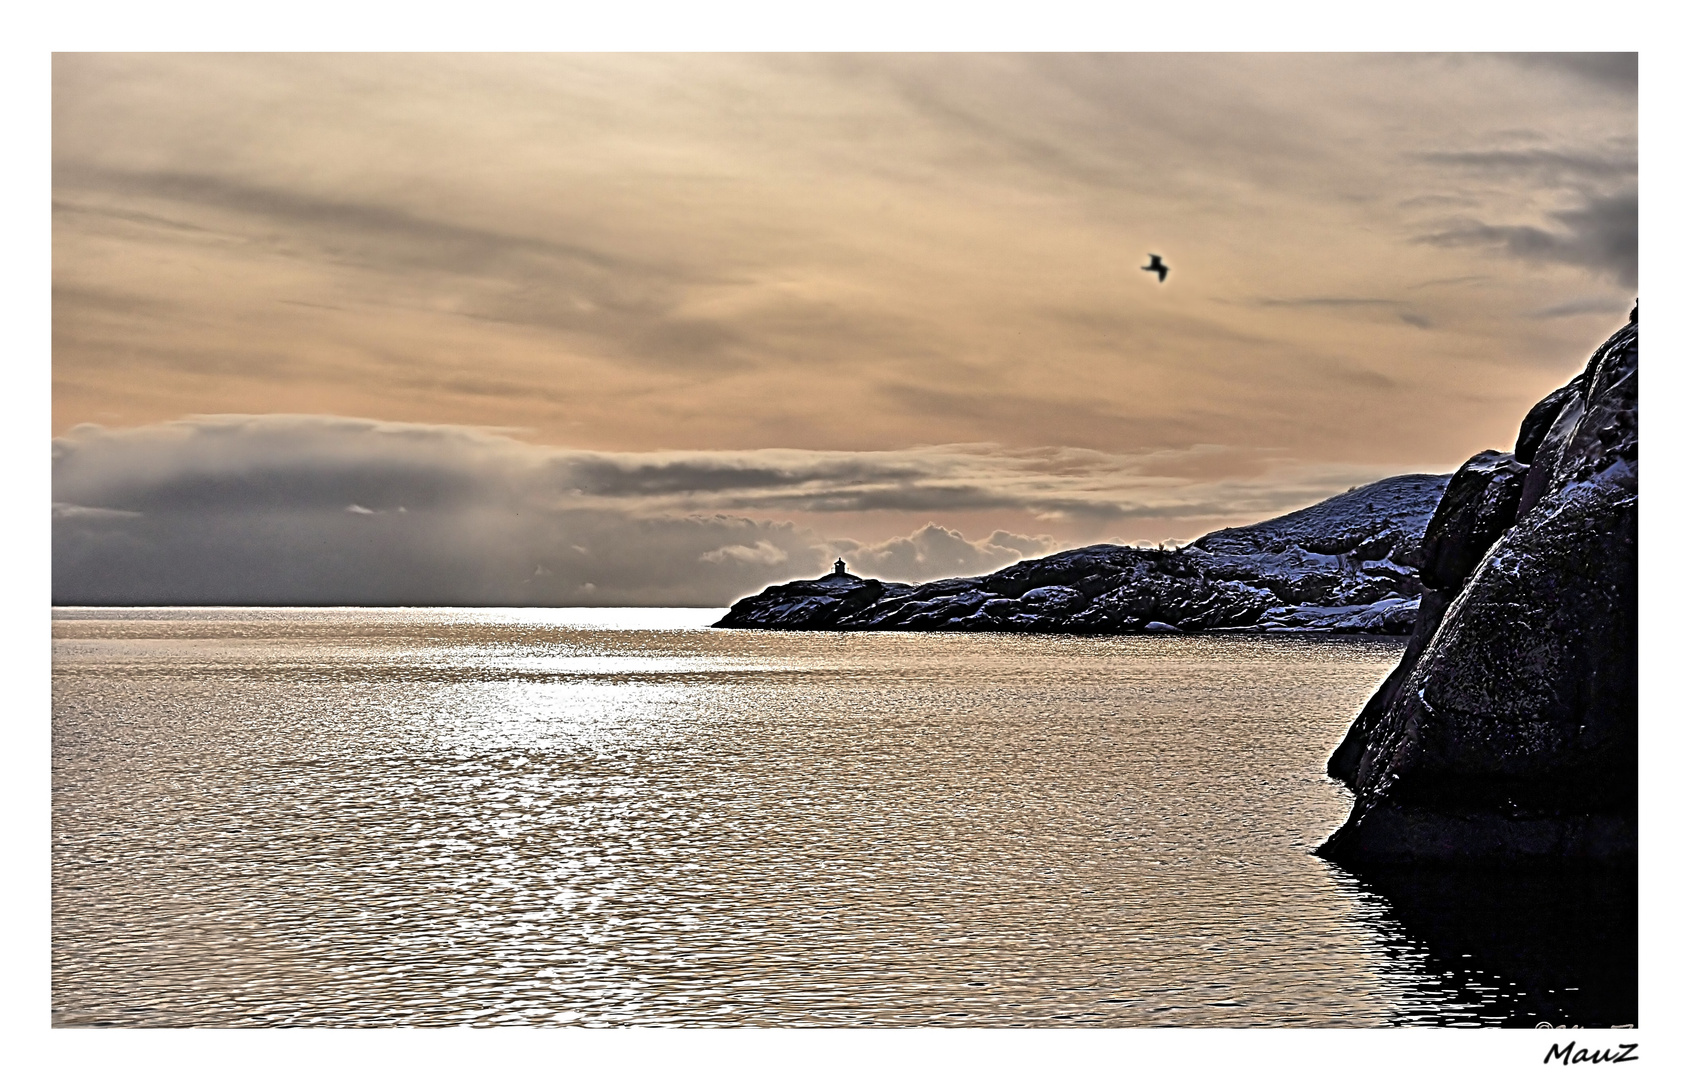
(839,566)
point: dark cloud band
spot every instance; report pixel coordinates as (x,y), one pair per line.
(305,509)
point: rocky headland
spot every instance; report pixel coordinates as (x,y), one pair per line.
(1346,565)
(1508,732)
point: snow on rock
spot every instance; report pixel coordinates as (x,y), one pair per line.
(1381,520)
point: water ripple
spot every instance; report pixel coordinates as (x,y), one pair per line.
(484,818)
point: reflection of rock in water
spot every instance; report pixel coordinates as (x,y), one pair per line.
(1516,948)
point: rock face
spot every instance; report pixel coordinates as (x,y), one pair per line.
(1346,565)
(1508,732)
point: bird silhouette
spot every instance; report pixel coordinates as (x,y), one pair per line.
(1159,266)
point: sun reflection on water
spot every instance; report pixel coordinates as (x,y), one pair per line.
(531,817)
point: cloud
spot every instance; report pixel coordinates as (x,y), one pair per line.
(631,306)
(1055,483)
(332,510)
(90,513)
(863,251)
(1584,305)
(404,237)
(934,551)
(319,510)
(1611,70)
(1328,301)
(764,554)
(1594,184)
(1546,163)
(1600,235)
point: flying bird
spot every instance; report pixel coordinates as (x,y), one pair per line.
(1159,266)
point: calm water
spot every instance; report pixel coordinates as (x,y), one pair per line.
(619,817)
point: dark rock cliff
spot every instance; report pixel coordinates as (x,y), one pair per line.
(1508,732)
(1346,565)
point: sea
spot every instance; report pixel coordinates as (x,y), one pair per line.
(355,817)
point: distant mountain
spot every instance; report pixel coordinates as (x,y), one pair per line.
(1346,565)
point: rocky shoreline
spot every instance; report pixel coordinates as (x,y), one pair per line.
(1346,565)
(1508,732)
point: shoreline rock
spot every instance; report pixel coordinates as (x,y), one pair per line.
(1508,731)
(1347,565)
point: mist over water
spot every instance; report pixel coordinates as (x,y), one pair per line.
(620,817)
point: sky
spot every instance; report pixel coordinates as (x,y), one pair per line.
(662,329)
